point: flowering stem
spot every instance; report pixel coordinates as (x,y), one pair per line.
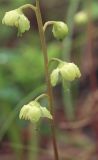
(49,88)
(41,29)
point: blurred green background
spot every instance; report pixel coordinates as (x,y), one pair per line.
(22,70)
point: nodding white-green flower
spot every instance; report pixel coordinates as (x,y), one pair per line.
(60,30)
(18,19)
(69,71)
(33,111)
(54,77)
(81,18)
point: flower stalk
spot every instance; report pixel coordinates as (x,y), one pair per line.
(41,96)
(49,88)
(28,6)
(47,24)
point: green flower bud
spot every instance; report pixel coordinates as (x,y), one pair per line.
(18,19)
(54,77)
(69,71)
(81,18)
(60,30)
(33,111)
